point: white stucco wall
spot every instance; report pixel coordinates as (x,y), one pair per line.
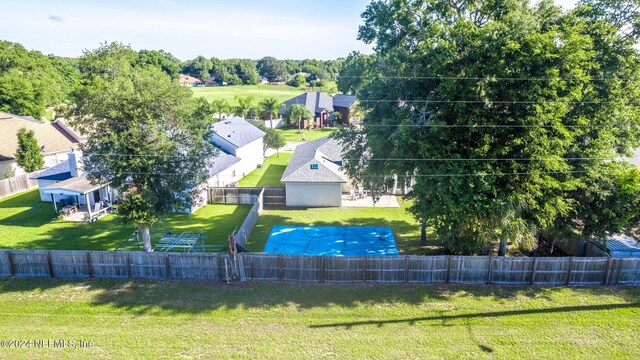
(314,195)
(50,160)
(55,158)
(225,177)
(251,156)
(7,166)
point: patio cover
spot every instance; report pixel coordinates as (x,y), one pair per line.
(74,186)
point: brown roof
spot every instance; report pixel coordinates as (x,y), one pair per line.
(70,132)
(186,79)
(46,134)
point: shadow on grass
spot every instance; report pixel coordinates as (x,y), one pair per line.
(184,297)
(28,223)
(271,176)
(444,318)
(26,209)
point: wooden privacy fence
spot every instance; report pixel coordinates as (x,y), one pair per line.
(242,234)
(227,195)
(16,184)
(268,267)
(275,196)
(245,195)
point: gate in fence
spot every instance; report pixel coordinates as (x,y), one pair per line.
(246,196)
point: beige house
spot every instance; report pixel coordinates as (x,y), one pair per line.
(54,141)
(314,176)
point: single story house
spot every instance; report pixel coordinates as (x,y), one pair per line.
(188,80)
(54,142)
(314,176)
(66,185)
(322,106)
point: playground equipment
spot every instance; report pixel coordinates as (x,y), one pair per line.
(187,241)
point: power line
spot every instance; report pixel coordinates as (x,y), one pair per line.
(394,159)
(485,102)
(386,176)
(478,78)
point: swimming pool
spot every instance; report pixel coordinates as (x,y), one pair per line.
(332,241)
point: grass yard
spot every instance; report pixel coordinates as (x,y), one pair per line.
(169,320)
(406,229)
(259,92)
(310,135)
(270,173)
(27,223)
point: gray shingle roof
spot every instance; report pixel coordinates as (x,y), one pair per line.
(342,100)
(59,172)
(315,101)
(237,131)
(221,162)
(326,153)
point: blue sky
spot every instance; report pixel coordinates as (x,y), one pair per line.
(286,29)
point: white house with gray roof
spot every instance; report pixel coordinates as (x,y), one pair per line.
(314,176)
(241,150)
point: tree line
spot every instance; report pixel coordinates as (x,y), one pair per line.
(30,81)
(248,72)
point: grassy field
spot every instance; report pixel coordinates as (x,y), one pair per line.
(27,223)
(259,92)
(270,173)
(406,229)
(310,135)
(169,320)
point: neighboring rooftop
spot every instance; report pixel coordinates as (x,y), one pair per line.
(80,185)
(69,131)
(342,100)
(59,172)
(623,246)
(316,102)
(237,131)
(188,79)
(49,138)
(318,161)
(221,162)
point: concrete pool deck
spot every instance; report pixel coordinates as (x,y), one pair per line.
(385,201)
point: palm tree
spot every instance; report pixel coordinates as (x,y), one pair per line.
(299,112)
(506,220)
(219,106)
(244,104)
(270,107)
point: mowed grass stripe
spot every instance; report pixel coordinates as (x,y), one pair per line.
(280,321)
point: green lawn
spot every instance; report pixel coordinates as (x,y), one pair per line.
(27,223)
(259,92)
(310,135)
(270,173)
(406,229)
(194,320)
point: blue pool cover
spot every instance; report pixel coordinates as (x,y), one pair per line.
(332,241)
